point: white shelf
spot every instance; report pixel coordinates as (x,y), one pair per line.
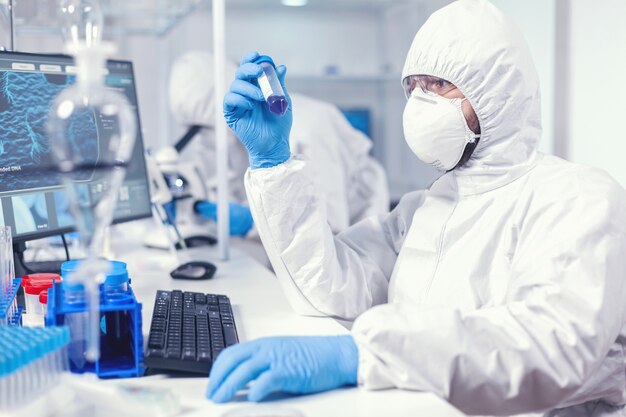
(122,17)
(342,78)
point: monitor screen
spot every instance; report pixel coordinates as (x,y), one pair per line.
(34,204)
(359,118)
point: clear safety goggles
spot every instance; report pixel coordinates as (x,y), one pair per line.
(429,84)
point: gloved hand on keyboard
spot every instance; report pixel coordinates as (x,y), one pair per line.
(264,134)
(301,365)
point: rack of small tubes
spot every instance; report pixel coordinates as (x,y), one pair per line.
(31,361)
(10,312)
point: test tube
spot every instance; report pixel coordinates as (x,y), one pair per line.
(270,86)
(43,300)
(116,281)
(4,289)
(74,295)
(7,271)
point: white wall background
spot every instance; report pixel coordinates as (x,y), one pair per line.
(598,71)
(366,45)
(536,20)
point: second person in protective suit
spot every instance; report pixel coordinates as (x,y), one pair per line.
(353,184)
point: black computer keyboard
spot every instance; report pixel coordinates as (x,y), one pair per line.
(189,330)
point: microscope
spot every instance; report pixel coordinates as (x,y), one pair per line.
(185,185)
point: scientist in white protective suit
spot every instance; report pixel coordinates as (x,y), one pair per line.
(354,185)
(501,288)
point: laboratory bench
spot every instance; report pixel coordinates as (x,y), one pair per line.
(260,309)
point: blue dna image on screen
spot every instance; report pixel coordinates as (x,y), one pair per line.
(23,141)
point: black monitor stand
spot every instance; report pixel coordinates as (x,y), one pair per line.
(23,268)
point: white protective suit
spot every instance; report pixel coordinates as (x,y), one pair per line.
(353,183)
(501,288)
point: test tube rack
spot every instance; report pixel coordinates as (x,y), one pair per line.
(121,338)
(10,312)
(31,363)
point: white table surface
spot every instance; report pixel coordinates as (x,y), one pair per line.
(260,309)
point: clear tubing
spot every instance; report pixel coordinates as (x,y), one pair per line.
(76,350)
(89,95)
(272,90)
(74,294)
(93,304)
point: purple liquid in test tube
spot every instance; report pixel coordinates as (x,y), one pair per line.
(278,104)
(270,86)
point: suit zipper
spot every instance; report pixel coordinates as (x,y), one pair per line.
(439,251)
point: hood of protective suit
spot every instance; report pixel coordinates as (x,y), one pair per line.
(473,45)
(192,86)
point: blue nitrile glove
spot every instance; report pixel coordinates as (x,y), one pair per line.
(264,134)
(240,217)
(300,365)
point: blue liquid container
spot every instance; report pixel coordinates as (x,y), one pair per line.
(115,288)
(270,86)
(121,340)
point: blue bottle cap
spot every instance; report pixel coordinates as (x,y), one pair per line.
(118,274)
(264,58)
(118,265)
(69,266)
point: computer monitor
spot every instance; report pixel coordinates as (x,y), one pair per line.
(32,203)
(359,118)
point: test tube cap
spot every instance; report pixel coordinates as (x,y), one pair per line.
(43,297)
(69,266)
(35,289)
(117,274)
(265,58)
(40,278)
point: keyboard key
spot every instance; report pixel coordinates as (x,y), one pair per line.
(204,356)
(189,354)
(173,353)
(156,341)
(156,353)
(230,335)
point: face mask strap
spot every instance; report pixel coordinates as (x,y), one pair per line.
(475,136)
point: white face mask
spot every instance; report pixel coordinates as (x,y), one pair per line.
(436,130)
